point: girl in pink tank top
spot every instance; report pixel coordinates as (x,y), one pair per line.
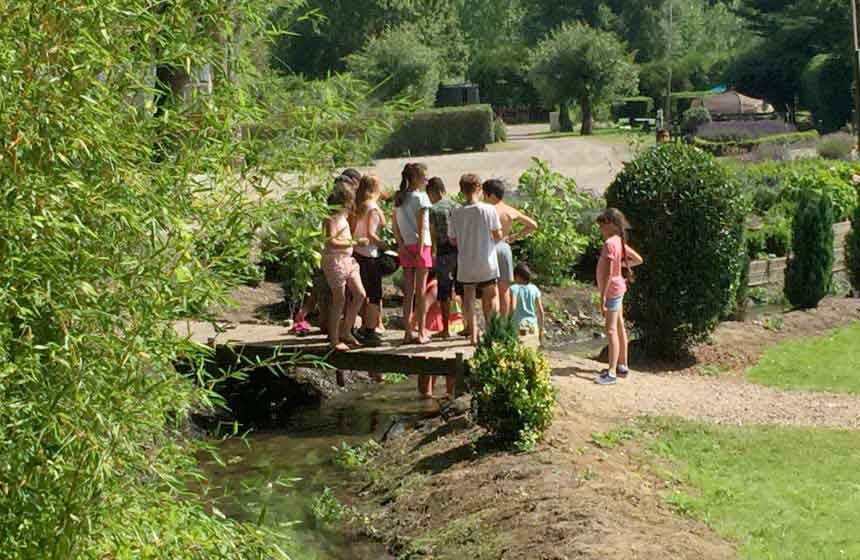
(614,269)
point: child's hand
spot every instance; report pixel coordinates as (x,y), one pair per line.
(362,242)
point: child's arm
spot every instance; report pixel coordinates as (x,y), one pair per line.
(540,315)
(497,235)
(397,231)
(374,223)
(634,259)
(422,227)
(529,227)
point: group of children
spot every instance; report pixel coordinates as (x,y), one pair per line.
(448,250)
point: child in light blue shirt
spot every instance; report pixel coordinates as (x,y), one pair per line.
(527,304)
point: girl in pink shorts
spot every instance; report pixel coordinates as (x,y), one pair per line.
(412,229)
(341,269)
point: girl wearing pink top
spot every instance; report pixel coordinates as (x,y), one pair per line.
(614,268)
(341,270)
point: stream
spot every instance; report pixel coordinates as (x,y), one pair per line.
(280,473)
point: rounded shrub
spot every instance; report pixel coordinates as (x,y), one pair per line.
(852,251)
(809,274)
(687,216)
(694,117)
(512,394)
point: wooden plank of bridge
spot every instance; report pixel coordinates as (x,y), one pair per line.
(247,344)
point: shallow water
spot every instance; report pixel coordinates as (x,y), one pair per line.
(282,472)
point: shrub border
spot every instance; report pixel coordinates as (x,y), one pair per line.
(720,149)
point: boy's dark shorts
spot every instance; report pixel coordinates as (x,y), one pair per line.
(371,278)
(479,287)
(446,270)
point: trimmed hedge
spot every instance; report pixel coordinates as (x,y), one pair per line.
(435,130)
(720,149)
(632,108)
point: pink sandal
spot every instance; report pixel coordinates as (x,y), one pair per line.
(302,328)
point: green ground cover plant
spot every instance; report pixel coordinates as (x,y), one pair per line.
(827,363)
(779,493)
(512,394)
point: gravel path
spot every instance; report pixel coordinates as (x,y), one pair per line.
(723,400)
(593,162)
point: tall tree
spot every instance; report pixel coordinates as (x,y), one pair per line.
(333,29)
(583,64)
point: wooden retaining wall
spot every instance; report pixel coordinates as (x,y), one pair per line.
(772,271)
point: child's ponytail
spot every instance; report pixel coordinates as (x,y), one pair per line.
(411,173)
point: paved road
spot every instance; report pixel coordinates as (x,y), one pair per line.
(593,162)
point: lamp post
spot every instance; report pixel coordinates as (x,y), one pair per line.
(856,63)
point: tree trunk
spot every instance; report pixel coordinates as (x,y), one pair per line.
(564,122)
(587,117)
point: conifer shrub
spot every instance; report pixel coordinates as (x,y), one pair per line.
(687,216)
(852,251)
(809,274)
(512,394)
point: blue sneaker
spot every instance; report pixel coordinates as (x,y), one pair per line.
(623,372)
(606,379)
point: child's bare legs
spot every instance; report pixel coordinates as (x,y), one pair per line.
(505,303)
(450,385)
(408,302)
(308,306)
(425,385)
(490,301)
(623,341)
(421,304)
(356,291)
(614,343)
(445,306)
(334,318)
(469,310)
(371,316)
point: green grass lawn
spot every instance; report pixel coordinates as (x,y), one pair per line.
(828,363)
(780,493)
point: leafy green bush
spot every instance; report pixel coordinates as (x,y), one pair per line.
(836,146)
(292,240)
(852,251)
(558,206)
(399,65)
(512,394)
(124,217)
(810,269)
(694,117)
(436,130)
(687,216)
(500,130)
(834,182)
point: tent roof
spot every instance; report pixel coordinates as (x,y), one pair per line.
(733,103)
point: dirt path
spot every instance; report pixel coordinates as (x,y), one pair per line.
(593,162)
(723,400)
(727,398)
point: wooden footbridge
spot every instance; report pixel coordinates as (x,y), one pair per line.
(248,344)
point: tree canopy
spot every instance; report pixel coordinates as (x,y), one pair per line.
(583,64)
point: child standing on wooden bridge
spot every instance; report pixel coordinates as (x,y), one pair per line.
(341,269)
(475,229)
